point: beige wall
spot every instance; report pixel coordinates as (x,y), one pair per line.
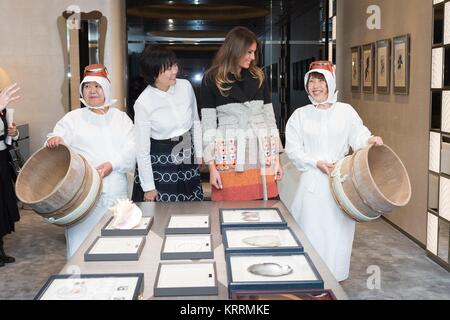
(403,121)
(31,51)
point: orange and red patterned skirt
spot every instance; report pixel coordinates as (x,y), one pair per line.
(244,186)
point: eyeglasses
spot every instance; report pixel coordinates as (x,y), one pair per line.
(324,65)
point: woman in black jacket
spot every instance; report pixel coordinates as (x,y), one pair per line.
(240,136)
(9,213)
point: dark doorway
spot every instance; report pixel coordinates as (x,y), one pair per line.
(292,33)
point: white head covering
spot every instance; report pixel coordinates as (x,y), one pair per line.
(330,78)
(106,86)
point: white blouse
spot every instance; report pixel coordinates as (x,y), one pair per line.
(313,134)
(101,138)
(164,115)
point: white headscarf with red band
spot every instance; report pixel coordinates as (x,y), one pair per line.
(330,78)
(106,86)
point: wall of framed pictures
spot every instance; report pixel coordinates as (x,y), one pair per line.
(378,65)
(395,101)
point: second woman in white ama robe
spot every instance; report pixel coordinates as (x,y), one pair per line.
(314,134)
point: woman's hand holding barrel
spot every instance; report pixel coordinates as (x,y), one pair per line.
(55,141)
(376,141)
(325,167)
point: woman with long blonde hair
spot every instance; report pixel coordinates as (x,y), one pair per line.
(240,136)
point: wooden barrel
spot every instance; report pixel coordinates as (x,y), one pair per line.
(58,184)
(370,183)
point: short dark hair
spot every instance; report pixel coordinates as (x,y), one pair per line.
(154,60)
(317,75)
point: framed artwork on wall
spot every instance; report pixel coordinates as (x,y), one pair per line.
(356,69)
(401,64)
(368,63)
(383,66)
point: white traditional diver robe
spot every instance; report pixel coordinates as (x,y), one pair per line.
(311,135)
(99,138)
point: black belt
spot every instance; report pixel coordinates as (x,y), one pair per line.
(172,141)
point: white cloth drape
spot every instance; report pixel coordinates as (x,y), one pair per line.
(311,135)
(99,139)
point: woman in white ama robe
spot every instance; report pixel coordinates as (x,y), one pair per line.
(104,136)
(318,136)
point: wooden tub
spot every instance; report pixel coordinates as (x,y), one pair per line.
(59,185)
(370,183)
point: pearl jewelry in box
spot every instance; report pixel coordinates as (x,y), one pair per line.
(253,240)
(250,217)
(271,271)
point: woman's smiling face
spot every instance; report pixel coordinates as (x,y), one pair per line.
(318,88)
(248,57)
(93,94)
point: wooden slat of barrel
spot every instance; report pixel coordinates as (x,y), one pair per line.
(35,182)
(86,190)
(390,175)
(87,180)
(50,179)
(87,201)
(381,178)
(352,193)
(374,181)
(90,208)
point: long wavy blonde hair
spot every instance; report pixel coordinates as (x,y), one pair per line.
(226,62)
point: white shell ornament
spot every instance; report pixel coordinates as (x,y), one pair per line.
(270,269)
(263,241)
(250,216)
(127,215)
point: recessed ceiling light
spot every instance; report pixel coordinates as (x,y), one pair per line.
(198,77)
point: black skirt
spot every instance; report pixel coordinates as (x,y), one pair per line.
(176,176)
(9,213)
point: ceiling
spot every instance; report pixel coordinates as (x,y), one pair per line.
(205,23)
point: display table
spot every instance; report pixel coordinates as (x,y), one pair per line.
(150,256)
